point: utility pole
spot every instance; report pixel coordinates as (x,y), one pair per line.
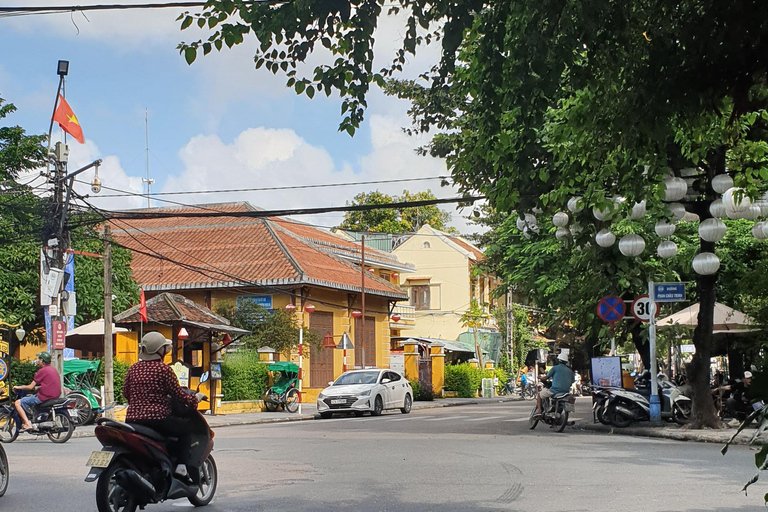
(510,329)
(362,278)
(109,386)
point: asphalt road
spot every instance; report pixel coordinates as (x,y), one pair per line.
(469,458)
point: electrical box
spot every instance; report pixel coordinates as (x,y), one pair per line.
(69,306)
(61,152)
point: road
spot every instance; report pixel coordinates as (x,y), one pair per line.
(470,458)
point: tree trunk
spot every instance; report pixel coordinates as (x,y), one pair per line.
(641,344)
(698,370)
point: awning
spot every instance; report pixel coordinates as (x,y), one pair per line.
(418,278)
(95,328)
(232,331)
(455,346)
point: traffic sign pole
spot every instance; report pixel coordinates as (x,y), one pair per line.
(655,409)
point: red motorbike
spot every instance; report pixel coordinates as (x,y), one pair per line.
(135,468)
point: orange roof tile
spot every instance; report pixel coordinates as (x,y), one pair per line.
(467,246)
(175,253)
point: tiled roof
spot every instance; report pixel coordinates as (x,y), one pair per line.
(171,307)
(467,246)
(176,253)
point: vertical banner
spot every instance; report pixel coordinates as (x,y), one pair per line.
(71,303)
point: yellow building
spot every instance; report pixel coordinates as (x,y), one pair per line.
(444,283)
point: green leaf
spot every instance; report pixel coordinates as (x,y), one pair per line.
(310,92)
(299,87)
(187,22)
(190,54)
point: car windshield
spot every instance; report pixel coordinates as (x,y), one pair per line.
(357,378)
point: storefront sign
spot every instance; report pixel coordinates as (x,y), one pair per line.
(264,301)
(59,329)
(182,373)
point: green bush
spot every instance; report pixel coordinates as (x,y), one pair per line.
(464,379)
(22,373)
(119,369)
(420,393)
(502,375)
(243,376)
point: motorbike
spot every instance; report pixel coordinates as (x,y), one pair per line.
(554,411)
(52,418)
(625,406)
(600,396)
(4,471)
(134,468)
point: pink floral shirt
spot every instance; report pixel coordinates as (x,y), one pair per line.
(149,388)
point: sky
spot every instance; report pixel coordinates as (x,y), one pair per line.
(215,125)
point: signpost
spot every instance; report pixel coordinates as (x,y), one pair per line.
(611,309)
(669,292)
(659,292)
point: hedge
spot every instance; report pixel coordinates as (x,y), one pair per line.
(464,379)
(243,377)
(421,393)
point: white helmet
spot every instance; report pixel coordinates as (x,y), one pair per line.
(562,357)
(151,344)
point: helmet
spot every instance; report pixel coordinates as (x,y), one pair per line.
(747,375)
(151,344)
(45,356)
(562,357)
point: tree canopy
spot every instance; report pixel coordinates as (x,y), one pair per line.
(401,220)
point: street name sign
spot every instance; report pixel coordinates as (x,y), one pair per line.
(669,292)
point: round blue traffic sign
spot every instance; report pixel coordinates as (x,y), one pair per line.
(611,308)
(3,369)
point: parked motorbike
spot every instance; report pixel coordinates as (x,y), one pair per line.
(4,471)
(135,468)
(52,418)
(554,411)
(625,406)
(600,397)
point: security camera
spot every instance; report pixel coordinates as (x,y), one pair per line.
(96,186)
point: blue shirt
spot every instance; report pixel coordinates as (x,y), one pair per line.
(562,378)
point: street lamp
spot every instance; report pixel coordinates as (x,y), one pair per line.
(63,68)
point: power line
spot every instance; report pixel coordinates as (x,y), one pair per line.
(54,9)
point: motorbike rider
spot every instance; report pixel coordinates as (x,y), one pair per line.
(152,389)
(562,379)
(738,403)
(49,383)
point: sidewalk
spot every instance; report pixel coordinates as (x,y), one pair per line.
(676,432)
(308,412)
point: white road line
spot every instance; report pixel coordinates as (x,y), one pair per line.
(411,418)
(486,418)
(446,418)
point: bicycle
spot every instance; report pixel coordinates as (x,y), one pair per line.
(529,392)
(508,388)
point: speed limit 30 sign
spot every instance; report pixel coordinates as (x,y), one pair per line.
(641,308)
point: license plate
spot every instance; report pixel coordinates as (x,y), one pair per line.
(340,401)
(100,459)
(72,413)
(570,407)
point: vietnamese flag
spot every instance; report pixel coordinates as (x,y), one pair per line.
(68,121)
(143,307)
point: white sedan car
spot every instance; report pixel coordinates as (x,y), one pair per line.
(371,390)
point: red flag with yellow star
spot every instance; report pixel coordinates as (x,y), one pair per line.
(68,121)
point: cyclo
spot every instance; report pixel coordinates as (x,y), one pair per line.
(81,385)
(284,390)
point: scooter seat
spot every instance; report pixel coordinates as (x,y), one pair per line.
(51,402)
(560,395)
(133,427)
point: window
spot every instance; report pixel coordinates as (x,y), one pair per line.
(426,245)
(394,377)
(420,297)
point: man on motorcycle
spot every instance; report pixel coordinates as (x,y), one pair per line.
(49,382)
(561,377)
(738,403)
(151,388)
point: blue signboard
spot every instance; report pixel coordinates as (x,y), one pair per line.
(3,369)
(669,292)
(264,301)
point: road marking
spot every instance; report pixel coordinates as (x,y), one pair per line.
(413,418)
(446,418)
(486,418)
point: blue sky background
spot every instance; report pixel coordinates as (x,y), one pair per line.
(218,124)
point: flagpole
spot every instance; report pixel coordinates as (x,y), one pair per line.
(62,71)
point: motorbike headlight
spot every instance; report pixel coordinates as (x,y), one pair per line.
(365,393)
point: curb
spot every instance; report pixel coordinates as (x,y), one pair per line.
(677,434)
(88,430)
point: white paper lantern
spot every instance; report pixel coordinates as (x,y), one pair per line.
(560,219)
(706,263)
(717,209)
(712,230)
(520,223)
(664,228)
(575,229)
(759,231)
(631,245)
(733,206)
(666,249)
(531,223)
(721,183)
(762,203)
(675,189)
(574,204)
(562,233)
(751,213)
(676,211)
(605,238)
(638,210)
(603,214)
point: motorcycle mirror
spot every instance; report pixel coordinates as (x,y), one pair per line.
(204,377)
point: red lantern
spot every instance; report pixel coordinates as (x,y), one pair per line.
(395,275)
(183,334)
(357,314)
(395,317)
(290,308)
(226,340)
(309,308)
(371,270)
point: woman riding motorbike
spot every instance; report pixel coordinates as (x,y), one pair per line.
(153,392)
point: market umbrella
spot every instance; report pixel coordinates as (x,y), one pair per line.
(726,320)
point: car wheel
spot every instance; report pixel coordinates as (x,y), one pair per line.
(378,406)
(406,404)
(326,415)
